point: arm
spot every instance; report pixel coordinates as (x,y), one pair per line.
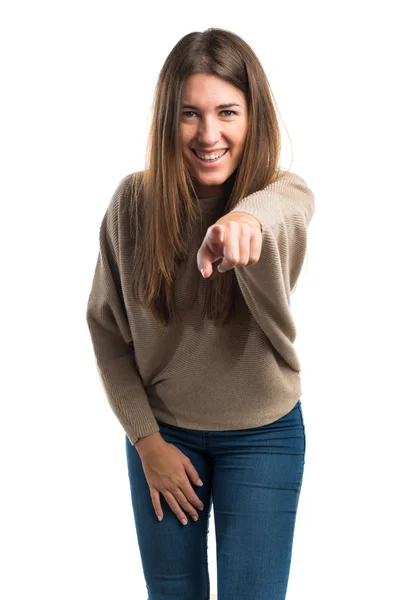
(110,332)
(284,209)
(147,442)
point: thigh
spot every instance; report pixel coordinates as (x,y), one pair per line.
(256,487)
(174,556)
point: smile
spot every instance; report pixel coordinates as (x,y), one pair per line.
(212,162)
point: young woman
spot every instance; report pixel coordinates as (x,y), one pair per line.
(198,362)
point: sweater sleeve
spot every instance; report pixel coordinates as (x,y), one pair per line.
(110,332)
(285,209)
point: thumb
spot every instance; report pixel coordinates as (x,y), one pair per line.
(210,250)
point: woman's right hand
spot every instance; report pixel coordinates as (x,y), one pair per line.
(168,470)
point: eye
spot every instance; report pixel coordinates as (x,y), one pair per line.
(188,112)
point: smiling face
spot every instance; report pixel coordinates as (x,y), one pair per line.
(212,129)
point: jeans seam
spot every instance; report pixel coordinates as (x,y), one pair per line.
(304,429)
(206,573)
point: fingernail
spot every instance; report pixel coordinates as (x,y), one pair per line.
(221,270)
(202,270)
(184,522)
(199,482)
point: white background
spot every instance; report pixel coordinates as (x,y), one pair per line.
(77,84)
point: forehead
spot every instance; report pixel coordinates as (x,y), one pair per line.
(207,91)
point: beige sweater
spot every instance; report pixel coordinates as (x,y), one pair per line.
(194,375)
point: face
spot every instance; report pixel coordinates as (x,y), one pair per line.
(210,129)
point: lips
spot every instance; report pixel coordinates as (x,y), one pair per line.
(203,153)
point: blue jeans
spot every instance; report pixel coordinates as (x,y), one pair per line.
(252,477)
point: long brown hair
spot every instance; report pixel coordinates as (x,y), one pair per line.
(164,205)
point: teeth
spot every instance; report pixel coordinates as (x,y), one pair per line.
(210,156)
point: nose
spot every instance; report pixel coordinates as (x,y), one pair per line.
(208,132)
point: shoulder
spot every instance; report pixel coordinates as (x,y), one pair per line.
(122,195)
(116,221)
(295,191)
(286,190)
(293,180)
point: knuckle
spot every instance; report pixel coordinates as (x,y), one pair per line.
(179,511)
(192,497)
(174,506)
(189,509)
(178,485)
(197,502)
(187,506)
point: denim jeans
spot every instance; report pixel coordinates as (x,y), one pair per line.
(253,478)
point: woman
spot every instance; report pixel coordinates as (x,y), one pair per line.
(198,363)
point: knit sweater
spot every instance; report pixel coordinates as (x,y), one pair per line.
(193,374)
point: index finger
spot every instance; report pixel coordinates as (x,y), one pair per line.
(209,250)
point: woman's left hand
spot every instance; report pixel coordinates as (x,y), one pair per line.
(236,238)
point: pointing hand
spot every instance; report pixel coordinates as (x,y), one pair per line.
(235,237)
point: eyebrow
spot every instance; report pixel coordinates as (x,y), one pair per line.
(220,106)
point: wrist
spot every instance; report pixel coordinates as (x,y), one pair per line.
(147,441)
(247,217)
